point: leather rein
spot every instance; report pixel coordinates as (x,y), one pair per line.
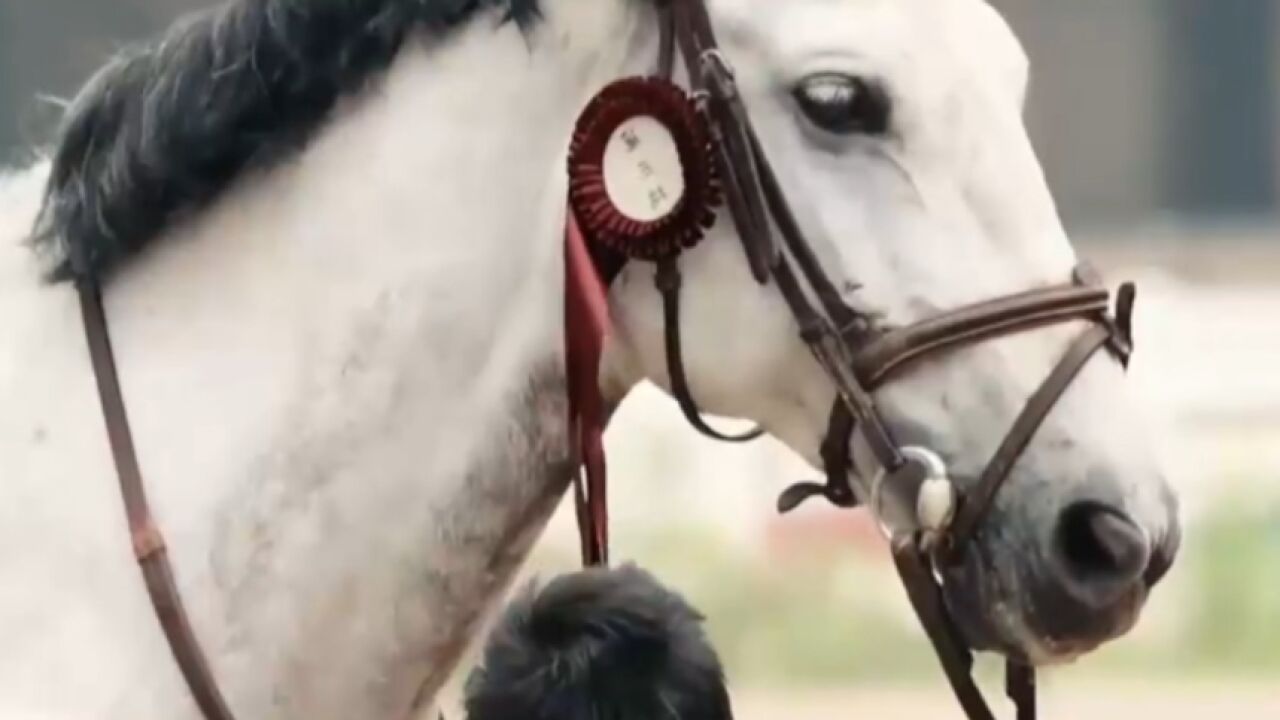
(859,357)
(148,542)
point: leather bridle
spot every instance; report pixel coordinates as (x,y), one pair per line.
(858,356)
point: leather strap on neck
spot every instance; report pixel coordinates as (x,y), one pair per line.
(148,542)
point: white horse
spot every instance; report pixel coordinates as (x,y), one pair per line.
(333,239)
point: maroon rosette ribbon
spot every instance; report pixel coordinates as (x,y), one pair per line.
(601,220)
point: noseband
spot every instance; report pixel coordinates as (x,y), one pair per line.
(856,353)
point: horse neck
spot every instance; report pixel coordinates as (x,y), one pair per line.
(346,378)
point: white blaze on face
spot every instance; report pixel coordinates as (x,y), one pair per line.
(642,171)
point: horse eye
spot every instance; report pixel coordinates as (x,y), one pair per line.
(843,104)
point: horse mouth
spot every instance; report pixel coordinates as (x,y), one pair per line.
(997,608)
(1025,636)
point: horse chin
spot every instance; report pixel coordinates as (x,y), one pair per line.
(992,614)
(991,620)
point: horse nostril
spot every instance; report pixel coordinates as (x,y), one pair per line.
(1103,552)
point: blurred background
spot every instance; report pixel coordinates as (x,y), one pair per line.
(1156,121)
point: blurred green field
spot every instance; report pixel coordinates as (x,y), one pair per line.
(825,633)
(824,617)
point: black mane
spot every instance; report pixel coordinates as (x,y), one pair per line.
(163,129)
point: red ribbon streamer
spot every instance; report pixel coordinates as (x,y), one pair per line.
(586,325)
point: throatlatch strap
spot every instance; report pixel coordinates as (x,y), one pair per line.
(668,282)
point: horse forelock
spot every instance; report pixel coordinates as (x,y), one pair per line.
(163,129)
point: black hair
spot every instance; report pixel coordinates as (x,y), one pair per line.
(165,128)
(599,645)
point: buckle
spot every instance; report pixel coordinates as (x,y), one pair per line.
(714,67)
